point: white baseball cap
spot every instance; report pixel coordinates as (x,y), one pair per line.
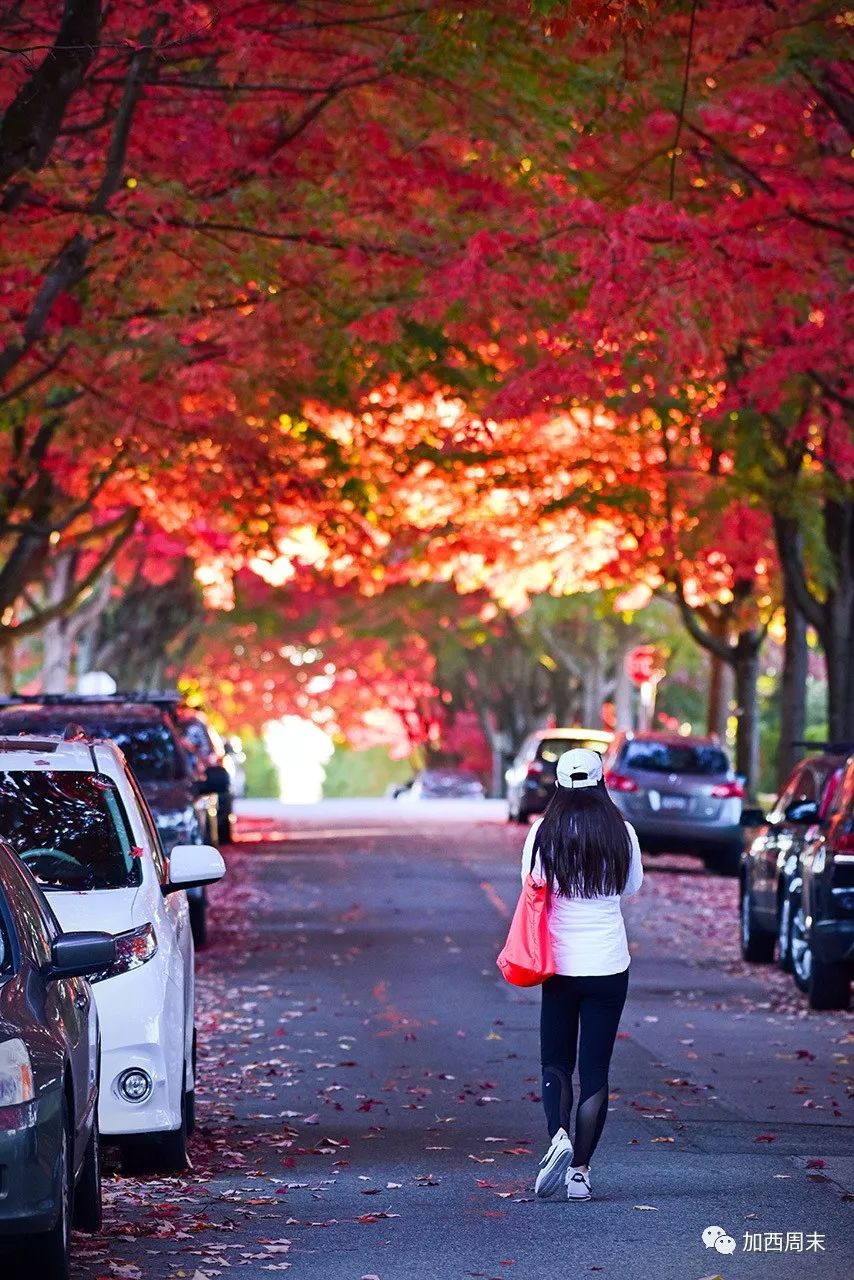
(579,767)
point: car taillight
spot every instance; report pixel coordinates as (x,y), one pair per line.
(728,791)
(535,768)
(619,782)
(843,843)
(134,948)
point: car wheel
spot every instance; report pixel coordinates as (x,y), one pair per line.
(46,1256)
(757,944)
(198,907)
(784,934)
(826,986)
(158,1153)
(190,1097)
(171,1150)
(87,1197)
(724,862)
(830,986)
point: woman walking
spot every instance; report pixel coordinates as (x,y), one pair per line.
(590,859)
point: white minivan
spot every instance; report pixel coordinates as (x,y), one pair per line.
(74,814)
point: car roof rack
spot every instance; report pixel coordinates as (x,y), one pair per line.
(162,697)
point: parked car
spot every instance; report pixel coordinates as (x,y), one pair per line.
(680,794)
(212,753)
(74,814)
(531,777)
(50,1169)
(444,784)
(181,792)
(771,863)
(820,934)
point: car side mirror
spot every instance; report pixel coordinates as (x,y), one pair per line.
(802,811)
(193,864)
(73,955)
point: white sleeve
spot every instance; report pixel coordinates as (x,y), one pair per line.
(528,850)
(634,880)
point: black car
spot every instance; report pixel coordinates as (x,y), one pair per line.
(50,1171)
(211,752)
(771,864)
(531,777)
(181,792)
(820,932)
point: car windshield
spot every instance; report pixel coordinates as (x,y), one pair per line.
(197,735)
(674,757)
(150,750)
(551,749)
(68,828)
(149,747)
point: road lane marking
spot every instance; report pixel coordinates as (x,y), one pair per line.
(499,903)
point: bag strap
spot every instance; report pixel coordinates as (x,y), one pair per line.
(533,857)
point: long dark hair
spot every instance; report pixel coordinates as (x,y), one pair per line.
(583,843)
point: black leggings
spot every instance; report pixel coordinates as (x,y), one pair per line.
(593,1006)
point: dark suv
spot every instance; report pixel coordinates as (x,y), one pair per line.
(210,750)
(680,794)
(820,935)
(771,864)
(181,793)
(531,777)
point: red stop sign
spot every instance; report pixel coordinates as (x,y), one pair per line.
(643,664)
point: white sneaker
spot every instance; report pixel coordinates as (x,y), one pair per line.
(554,1165)
(577,1184)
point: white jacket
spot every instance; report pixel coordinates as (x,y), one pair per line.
(588,934)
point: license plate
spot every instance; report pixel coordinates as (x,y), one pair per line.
(674,802)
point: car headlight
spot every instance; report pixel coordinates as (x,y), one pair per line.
(133,949)
(16,1074)
(17,1091)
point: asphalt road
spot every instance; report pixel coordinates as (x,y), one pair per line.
(369,1098)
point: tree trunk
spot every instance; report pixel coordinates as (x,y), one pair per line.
(622,693)
(793,689)
(833,617)
(7,664)
(594,692)
(56,638)
(747,734)
(720,696)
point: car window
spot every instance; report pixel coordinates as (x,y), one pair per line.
(150,749)
(197,735)
(790,790)
(844,796)
(551,749)
(155,844)
(674,757)
(807,787)
(830,791)
(69,829)
(36,923)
